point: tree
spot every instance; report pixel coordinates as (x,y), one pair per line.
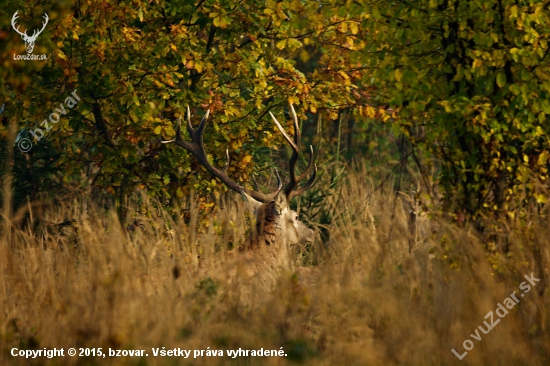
(137,65)
(470,81)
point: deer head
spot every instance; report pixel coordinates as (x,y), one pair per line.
(29,40)
(277,225)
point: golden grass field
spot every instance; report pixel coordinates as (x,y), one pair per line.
(383,292)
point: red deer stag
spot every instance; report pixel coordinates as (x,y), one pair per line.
(277,226)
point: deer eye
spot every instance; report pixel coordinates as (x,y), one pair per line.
(296,218)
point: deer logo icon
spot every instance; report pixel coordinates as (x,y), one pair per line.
(29,40)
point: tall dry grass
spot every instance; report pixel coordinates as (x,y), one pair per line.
(384,292)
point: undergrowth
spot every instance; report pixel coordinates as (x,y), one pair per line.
(389,291)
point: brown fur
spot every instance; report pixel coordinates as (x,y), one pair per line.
(267,230)
(266,250)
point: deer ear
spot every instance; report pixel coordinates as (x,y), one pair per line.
(251,202)
(281,201)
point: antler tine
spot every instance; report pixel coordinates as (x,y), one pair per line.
(273,195)
(306,186)
(189,125)
(295,151)
(296,126)
(294,158)
(294,181)
(13,20)
(309,165)
(256,186)
(178,128)
(46,18)
(226,166)
(199,131)
(279,184)
(202,125)
(178,133)
(287,138)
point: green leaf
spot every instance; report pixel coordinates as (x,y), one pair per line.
(501,79)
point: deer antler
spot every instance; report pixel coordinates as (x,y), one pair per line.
(29,41)
(295,145)
(196,147)
(35,33)
(13,19)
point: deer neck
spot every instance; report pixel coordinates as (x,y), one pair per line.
(267,238)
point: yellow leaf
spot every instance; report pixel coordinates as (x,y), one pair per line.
(543,158)
(398,74)
(353,28)
(293,99)
(189,65)
(370,112)
(343,74)
(198,66)
(61,55)
(281,44)
(247,159)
